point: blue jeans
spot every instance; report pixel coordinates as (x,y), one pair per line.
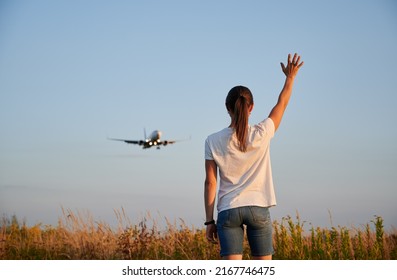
(230,226)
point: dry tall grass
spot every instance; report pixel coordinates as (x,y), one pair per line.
(78,236)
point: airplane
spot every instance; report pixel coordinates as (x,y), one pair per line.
(152,141)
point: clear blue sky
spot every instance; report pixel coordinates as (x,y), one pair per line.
(73,73)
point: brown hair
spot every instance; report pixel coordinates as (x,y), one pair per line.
(238,102)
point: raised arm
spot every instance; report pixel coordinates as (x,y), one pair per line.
(290,72)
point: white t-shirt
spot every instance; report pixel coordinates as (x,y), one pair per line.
(245,177)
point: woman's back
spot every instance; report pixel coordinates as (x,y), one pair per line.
(245,177)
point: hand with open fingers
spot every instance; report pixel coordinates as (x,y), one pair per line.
(211,234)
(292,66)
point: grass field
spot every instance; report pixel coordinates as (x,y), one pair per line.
(79,237)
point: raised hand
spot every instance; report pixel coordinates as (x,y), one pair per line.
(292,66)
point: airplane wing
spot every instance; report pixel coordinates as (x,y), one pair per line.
(166,142)
(138,142)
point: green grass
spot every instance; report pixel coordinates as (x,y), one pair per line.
(79,237)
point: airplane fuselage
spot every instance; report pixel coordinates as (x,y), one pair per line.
(153,140)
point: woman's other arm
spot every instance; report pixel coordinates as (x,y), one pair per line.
(209,198)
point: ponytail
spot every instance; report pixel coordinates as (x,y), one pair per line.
(238,102)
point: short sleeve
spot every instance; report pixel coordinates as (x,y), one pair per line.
(267,126)
(208,152)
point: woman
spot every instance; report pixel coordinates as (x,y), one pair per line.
(241,154)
